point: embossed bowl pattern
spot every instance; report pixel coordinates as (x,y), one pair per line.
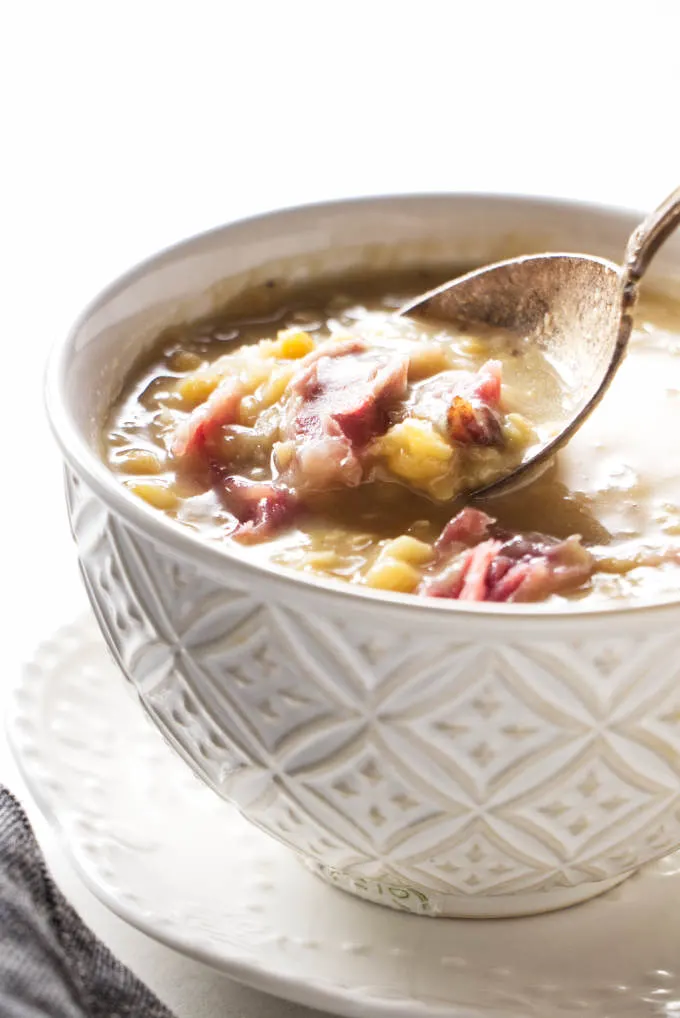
(444,760)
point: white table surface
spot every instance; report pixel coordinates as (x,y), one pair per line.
(127,126)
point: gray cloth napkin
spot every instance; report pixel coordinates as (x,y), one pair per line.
(51,964)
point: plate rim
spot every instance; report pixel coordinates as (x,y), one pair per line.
(307,992)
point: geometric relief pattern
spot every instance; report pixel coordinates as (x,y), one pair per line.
(415,757)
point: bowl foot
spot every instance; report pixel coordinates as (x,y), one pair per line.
(425,902)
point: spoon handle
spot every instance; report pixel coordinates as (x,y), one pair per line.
(646,240)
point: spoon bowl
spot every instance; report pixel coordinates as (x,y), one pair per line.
(576,308)
(568,305)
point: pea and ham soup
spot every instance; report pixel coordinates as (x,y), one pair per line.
(330,435)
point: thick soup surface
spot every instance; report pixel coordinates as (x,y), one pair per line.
(332,437)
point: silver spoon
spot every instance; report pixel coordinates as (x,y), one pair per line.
(578,308)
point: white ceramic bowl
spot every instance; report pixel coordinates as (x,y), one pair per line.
(441,758)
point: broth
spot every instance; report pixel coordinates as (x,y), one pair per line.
(615,485)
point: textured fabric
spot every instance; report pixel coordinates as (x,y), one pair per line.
(51,964)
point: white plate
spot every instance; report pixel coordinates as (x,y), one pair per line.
(174,860)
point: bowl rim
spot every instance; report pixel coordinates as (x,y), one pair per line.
(230,559)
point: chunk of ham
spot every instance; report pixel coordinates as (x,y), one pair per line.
(222,407)
(476,561)
(471,424)
(473,416)
(261,508)
(531,567)
(203,423)
(468,527)
(339,404)
(465,404)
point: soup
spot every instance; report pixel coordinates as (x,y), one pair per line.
(332,436)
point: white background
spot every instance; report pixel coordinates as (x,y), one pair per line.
(127,125)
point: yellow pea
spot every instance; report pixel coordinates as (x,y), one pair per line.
(156,493)
(408,549)
(321,560)
(274,388)
(139,461)
(389,574)
(293,343)
(290,344)
(184,360)
(416,452)
(426,360)
(196,388)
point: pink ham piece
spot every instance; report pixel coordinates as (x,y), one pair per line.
(478,562)
(487,384)
(220,408)
(262,508)
(474,587)
(533,566)
(339,404)
(468,527)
